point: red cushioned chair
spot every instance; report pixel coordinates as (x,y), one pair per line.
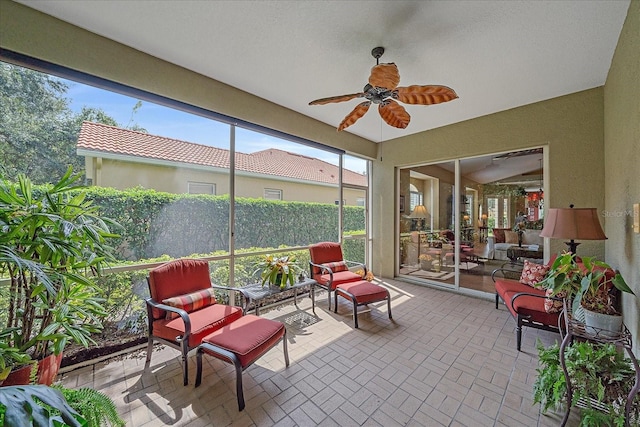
(182,309)
(329,268)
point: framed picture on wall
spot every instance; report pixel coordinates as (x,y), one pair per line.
(401,203)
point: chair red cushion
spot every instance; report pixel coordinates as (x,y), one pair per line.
(203,322)
(338,278)
(175,278)
(363,291)
(248,338)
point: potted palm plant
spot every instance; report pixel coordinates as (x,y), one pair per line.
(279,271)
(53,244)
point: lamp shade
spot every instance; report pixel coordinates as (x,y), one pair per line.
(573,223)
(419,212)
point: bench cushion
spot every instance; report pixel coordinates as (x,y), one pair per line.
(248,338)
(532,305)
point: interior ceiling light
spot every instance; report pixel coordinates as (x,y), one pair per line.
(383,90)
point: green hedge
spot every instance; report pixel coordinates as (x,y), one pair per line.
(158,226)
(155,223)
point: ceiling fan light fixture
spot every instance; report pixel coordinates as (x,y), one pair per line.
(383,89)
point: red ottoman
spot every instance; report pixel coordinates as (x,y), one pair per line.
(242,342)
(361,293)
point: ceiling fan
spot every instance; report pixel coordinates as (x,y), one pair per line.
(383,90)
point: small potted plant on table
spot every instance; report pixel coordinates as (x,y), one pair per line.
(279,271)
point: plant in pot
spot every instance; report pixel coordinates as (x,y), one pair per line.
(54,243)
(590,286)
(598,298)
(12,358)
(279,271)
(425,261)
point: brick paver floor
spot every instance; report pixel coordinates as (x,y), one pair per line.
(444,360)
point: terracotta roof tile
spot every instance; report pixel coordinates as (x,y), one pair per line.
(109,139)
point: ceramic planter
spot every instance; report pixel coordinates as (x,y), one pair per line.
(47,372)
(607,325)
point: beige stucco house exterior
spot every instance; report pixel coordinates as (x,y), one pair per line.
(121,158)
(591,138)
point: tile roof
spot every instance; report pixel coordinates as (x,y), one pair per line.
(100,138)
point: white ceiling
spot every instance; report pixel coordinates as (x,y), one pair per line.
(496,55)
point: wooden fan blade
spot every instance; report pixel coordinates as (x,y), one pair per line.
(385,75)
(394,114)
(425,95)
(353,116)
(339,98)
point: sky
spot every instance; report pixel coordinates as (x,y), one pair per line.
(167,122)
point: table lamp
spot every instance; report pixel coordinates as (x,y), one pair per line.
(579,223)
(419,212)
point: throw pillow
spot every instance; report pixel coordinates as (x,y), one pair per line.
(533,273)
(551,305)
(498,234)
(191,302)
(336,266)
(511,237)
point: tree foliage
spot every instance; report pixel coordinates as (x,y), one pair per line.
(38,129)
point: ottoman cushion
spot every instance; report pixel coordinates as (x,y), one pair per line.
(248,337)
(363,291)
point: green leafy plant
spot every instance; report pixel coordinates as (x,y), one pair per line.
(53,245)
(585,283)
(34,405)
(598,372)
(279,270)
(40,405)
(96,408)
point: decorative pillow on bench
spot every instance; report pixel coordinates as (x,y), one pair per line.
(552,305)
(533,273)
(191,302)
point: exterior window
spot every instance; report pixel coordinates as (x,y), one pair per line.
(360,201)
(415,200)
(201,188)
(272,194)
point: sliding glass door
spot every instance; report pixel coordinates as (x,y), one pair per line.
(448,212)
